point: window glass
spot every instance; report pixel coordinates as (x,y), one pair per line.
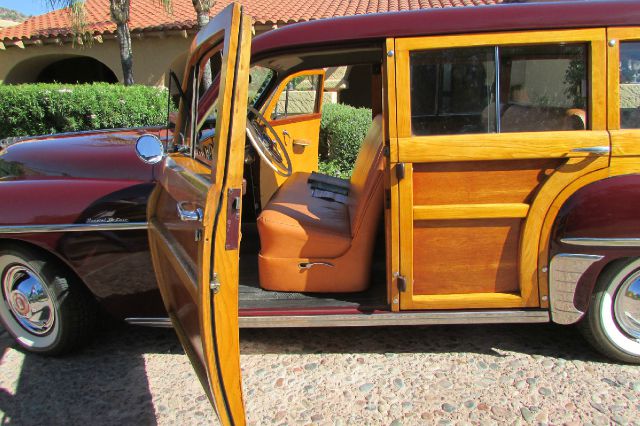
(450,90)
(630,85)
(207,107)
(299,97)
(541,88)
(259,79)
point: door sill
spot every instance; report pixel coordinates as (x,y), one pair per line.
(375,319)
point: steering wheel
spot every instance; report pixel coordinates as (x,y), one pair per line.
(267,143)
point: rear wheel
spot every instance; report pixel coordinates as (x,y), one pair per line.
(42,305)
(612,323)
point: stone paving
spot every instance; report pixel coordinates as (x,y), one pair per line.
(500,374)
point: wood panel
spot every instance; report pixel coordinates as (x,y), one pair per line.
(466,256)
(497,146)
(303,158)
(470,211)
(480,182)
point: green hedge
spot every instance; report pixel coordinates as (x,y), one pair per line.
(37,109)
(342,130)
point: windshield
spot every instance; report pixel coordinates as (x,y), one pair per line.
(259,79)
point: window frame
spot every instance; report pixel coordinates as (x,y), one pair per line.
(594,38)
(281,86)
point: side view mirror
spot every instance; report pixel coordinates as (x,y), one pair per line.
(149,149)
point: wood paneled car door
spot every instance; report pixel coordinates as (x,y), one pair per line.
(490,129)
(294,112)
(194,213)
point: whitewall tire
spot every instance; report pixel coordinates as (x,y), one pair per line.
(612,323)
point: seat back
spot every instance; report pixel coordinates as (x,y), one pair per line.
(366,178)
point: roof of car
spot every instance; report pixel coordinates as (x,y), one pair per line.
(504,17)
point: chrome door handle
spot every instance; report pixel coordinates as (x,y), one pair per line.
(189,215)
(300,142)
(598,150)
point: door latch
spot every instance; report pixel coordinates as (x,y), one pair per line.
(214,285)
(234,207)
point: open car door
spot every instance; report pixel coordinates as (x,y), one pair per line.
(194,213)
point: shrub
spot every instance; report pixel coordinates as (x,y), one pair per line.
(37,109)
(342,130)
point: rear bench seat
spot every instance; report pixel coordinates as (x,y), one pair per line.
(312,244)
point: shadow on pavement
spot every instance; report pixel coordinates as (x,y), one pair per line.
(532,339)
(105,383)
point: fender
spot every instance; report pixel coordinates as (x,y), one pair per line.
(97,227)
(597,225)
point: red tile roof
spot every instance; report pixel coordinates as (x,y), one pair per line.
(149,15)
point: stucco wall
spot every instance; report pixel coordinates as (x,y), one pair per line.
(152,58)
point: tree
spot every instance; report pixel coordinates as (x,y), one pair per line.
(203,10)
(119,15)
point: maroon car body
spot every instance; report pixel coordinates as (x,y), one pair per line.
(70,182)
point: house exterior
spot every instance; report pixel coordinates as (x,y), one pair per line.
(43,48)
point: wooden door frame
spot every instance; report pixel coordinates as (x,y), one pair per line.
(406,148)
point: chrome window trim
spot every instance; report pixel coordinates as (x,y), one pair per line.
(73,227)
(565,271)
(602,242)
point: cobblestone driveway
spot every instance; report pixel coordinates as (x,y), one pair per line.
(536,374)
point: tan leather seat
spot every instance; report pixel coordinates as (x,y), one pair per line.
(315,245)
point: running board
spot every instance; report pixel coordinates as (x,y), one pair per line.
(378,319)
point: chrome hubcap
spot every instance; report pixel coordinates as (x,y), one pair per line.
(627,306)
(28,300)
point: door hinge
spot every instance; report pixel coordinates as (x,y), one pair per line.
(401,282)
(400,171)
(387,198)
(215,284)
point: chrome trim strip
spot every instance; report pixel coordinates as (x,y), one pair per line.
(73,227)
(565,271)
(603,242)
(150,322)
(598,150)
(362,320)
(396,318)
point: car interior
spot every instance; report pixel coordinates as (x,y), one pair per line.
(318,241)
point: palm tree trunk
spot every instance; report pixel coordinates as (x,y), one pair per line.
(202,12)
(126,53)
(120,15)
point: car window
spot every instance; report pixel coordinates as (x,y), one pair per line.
(207,108)
(630,85)
(539,88)
(259,79)
(450,89)
(299,97)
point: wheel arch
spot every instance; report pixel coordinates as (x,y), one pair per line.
(47,252)
(597,221)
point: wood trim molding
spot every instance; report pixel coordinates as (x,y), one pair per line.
(470,211)
(498,146)
(295,119)
(270,106)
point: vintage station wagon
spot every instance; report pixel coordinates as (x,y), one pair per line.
(498,182)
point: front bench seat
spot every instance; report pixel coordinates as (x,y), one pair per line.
(310,244)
